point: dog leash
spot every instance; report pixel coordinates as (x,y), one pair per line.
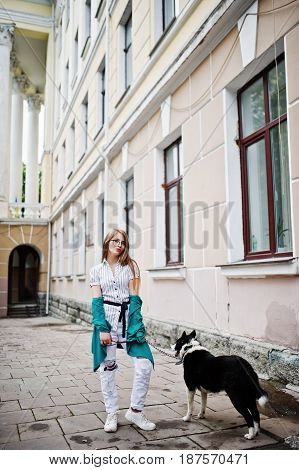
(164,353)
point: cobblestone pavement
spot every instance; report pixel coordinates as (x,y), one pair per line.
(51,399)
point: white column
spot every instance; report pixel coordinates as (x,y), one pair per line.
(31,183)
(15,185)
(6,34)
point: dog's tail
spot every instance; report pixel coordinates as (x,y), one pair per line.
(263,399)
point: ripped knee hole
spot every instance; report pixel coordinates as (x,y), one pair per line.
(110,366)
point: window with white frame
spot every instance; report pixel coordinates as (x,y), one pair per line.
(128,52)
(61,163)
(100,9)
(60,37)
(71,151)
(125,48)
(55,181)
(75,55)
(66,84)
(54,254)
(82,243)
(164,15)
(101,94)
(101,208)
(71,240)
(265,164)
(87,28)
(129,207)
(173,188)
(90,224)
(61,257)
(67,13)
(58,107)
(84,124)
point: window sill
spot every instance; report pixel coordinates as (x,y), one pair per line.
(69,278)
(261,269)
(81,277)
(74,80)
(99,131)
(161,38)
(122,96)
(82,156)
(86,47)
(177,273)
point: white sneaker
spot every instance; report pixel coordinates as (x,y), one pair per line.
(140,420)
(111,422)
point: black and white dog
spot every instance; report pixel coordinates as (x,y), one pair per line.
(209,373)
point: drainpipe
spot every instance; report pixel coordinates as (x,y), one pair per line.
(49,267)
(106,128)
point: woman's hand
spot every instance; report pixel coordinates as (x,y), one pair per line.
(105,338)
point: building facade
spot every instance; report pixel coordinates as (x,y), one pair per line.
(176,121)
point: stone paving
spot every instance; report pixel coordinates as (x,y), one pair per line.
(51,399)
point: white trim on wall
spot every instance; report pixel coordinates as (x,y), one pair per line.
(233,177)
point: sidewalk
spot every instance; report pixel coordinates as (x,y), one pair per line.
(51,399)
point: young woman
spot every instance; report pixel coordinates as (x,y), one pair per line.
(116,311)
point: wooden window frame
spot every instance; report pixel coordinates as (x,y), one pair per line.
(262,133)
(167,186)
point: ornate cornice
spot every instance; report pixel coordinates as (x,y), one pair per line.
(25,85)
(6,34)
(34,102)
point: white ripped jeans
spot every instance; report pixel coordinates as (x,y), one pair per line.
(107,370)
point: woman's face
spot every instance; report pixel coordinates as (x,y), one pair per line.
(117,244)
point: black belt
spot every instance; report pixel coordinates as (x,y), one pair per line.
(122,316)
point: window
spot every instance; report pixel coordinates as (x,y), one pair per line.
(128,52)
(61,163)
(58,109)
(101,207)
(164,16)
(60,37)
(90,224)
(84,126)
(71,149)
(75,56)
(82,243)
(71,240)
(54,258)
(101,97)
(66,84)
(100,9)
(129,207)
(87,13)
(173,187)
(167,13)
(55,180)
(125,52)
(67,13)
(264,164)
(60,260)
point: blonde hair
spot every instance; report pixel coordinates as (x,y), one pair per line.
(124,258)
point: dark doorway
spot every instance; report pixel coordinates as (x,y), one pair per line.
(23,277)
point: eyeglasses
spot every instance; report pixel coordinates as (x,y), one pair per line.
(117,242)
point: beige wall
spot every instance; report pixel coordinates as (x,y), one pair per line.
(257,307)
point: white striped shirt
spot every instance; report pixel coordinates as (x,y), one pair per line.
(114,287)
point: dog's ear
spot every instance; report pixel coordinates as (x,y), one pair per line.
(184,334)
(193,334)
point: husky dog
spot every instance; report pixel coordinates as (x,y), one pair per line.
(212,374)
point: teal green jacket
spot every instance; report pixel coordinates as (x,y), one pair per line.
(136,342)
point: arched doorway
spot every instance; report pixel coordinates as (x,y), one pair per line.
(23,277)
